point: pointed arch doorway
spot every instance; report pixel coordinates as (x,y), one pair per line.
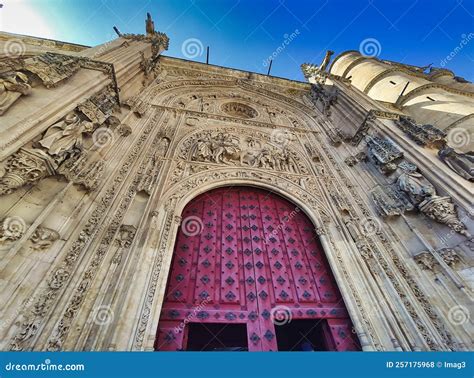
(249,273)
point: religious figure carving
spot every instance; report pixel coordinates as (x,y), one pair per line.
(416,186)
(66,136)
(461,163)
(227,149)
(12,86)
(423,195)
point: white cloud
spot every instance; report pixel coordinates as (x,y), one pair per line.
(25,17)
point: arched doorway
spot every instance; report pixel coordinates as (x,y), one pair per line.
(249,273)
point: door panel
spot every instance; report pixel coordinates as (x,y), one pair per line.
(250,257)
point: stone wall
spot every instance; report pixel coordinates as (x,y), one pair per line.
(98,165)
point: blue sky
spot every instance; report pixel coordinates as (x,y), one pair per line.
(244,33)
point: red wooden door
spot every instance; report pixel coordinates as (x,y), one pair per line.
(245,255)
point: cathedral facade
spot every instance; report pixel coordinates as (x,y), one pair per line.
(146,200)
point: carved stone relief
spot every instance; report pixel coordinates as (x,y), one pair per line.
(383,153)
(238,150)
(62,146)
(461,163)
(12,86)
(424,135)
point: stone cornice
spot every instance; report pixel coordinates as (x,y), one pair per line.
(423,88)
(459,121)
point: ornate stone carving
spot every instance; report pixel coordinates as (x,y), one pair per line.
(327,95)
(26,166)
(125,235)
(461,163)
(354,159)
(363,128)
(11,229)
(78,170)
(124,130)
(100,106)
(390,202)
(238,109)
(52,68)
(423,135)
(450,257)
(221,148)
(442,210)
(318,73)
(383,153)
(426,261)
(313,154)
(415,185)
(423,195)
(43,238)
(12,86)
(65,137)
